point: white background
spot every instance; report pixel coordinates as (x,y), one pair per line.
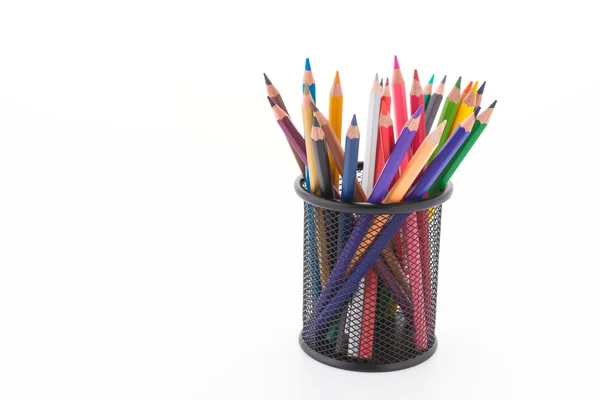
(150,238)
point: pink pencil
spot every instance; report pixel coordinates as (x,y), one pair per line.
(400,108)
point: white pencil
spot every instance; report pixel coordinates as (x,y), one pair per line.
(368,176)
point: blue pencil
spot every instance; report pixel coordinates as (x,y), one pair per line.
(339,297)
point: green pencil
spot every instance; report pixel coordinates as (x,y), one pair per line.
(448,114)
(480,123)
(427,92)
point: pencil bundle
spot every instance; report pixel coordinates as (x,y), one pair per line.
(371,279)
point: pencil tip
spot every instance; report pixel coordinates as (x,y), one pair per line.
(313,106)
(381,82)
(432,78)
(271,102)
(416,75)
(418,112)
(376,77)
(481,88)
(307,64)
(444,80)
(337,77)
(493,105)
(396,65)
(387,81)
(354,120)
(267,80)
(476,110)
(457,84)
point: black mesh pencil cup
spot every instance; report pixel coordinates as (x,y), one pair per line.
(370,282)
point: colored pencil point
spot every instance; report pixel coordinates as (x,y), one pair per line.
(307,64)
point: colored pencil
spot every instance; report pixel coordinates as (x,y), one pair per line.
(336,103)
(433,106)
(448,113)
(417,100)
(322,161)
(386,96)
(385,140)
(479,95)
(400,107)
(464,110)
(415,165)
(350,161)
(427,90)
(479,126)
(309,80)
(294,137)
(368,178)
(274,95)
(417,266)
(307,117)
(464,92)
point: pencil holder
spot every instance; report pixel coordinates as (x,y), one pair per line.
(370,281)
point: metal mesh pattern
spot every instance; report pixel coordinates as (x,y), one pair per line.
(374,307)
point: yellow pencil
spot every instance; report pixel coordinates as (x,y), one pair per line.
(336,102)
(465,109)
(475,87)
(307,119)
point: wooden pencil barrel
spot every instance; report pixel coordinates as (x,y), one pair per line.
(375,313)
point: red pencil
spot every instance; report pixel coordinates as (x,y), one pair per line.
(400,108)
(465,93)
(416,99)
(385,141)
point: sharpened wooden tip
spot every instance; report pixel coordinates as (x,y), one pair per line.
(469,99)
(435,136)
(337,77)
(317,133)
(467,124)
(279,113)
(484,116)
(352,132)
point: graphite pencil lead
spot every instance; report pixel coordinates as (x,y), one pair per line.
(381,82)
(444,80)
(481,88)
(267,80)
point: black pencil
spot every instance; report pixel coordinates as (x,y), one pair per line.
(322,161)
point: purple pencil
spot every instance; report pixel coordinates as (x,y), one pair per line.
(339,297)
(291,133)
